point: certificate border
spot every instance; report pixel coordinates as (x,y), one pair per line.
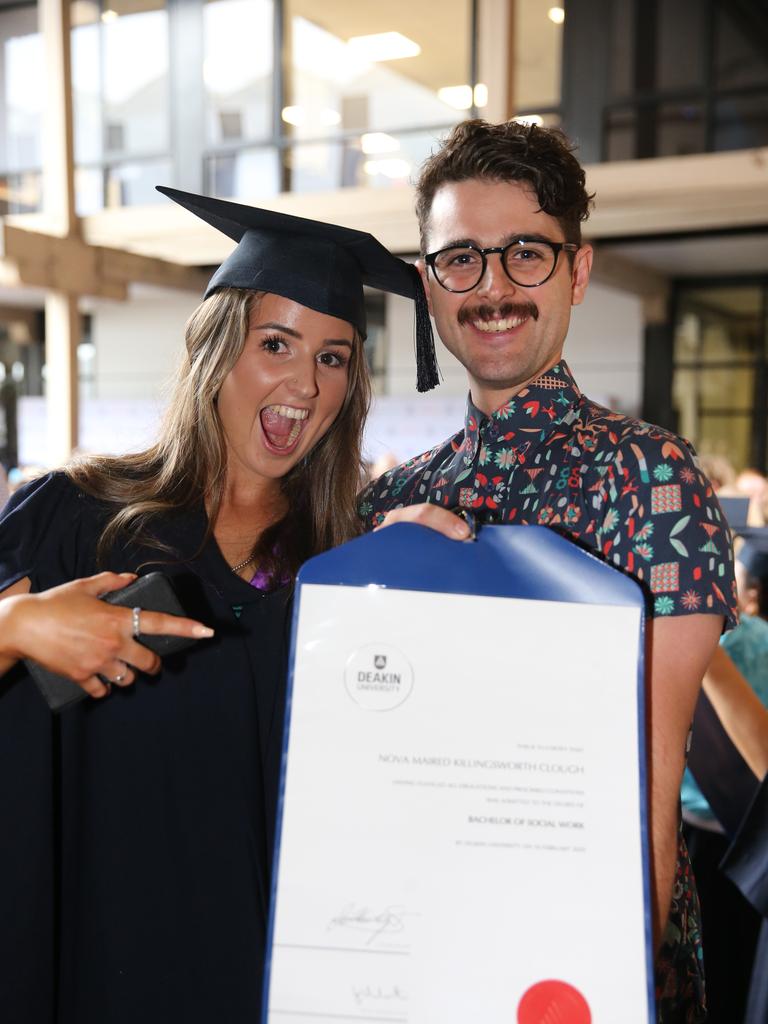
(538,564)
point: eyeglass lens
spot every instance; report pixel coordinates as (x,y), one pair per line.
(526,263)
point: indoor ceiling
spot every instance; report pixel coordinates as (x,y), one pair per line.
(444,58)
(718,255)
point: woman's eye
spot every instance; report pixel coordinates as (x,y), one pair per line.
(331,359)
(273,345)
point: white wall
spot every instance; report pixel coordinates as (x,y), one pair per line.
(604,348)
(139,342)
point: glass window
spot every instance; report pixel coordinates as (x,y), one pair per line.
(741,122)
(727,435)
(621,56)
(373,159)
(720,345)
(364,67)
(120,79)
(21,54)
(720,324)
(679,129)
(679,64)
(21,193)
(244,174)
(89,190)
(135,77)
(132,184)
(740,53)
(620,132)
(237,69)
(538,43)
(86,81)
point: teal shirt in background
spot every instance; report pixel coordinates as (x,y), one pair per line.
(747,646)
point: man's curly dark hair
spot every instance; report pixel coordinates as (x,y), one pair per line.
(541,158)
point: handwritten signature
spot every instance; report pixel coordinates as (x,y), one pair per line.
(389,921)
(377,993)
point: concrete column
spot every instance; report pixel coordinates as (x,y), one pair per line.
(495,23)
(62,336)
(62,328)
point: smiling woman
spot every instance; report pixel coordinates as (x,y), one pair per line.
(146,863)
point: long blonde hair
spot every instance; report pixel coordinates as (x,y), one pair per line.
(187,465)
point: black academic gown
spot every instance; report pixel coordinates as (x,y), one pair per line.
(137,830)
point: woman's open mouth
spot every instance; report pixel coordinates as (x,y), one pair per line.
(282,426)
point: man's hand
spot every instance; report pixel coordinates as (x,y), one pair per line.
(680,650)
(433,516)
(69,631)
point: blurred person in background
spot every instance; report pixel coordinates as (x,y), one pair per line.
(753,484)
(720,472)
(736,684)
(138,830)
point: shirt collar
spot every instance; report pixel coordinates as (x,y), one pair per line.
(535,411)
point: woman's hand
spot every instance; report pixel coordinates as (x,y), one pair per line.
(69,631)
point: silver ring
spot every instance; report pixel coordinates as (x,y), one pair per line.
(136,612)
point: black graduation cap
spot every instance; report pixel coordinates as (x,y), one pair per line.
(322,266)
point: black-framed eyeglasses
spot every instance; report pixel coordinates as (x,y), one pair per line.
(527,262)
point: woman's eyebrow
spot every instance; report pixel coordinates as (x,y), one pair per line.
(270,325)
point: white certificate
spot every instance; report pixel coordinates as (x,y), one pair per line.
(461,835)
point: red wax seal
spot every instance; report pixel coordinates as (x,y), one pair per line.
(553,1002)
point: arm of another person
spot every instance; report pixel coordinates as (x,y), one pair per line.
(739,709)
(69,631)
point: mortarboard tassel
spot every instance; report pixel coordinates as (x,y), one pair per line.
(427,370)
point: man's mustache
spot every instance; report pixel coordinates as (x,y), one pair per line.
(518,310)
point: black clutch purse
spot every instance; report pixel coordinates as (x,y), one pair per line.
(152,593)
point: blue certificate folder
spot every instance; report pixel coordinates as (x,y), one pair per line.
(531,563)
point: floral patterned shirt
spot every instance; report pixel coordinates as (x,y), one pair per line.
(632,492)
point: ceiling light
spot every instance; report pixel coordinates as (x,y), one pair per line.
(457,96)
(556,14)
(108,16)
(330,117)
(536,119)
(378,142)
(294,115)
(391,168)
(481,95)
(383,46)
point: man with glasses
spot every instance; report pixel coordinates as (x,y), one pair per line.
(500,210)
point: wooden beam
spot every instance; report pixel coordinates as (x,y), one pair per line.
(74,267)
(130,268)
